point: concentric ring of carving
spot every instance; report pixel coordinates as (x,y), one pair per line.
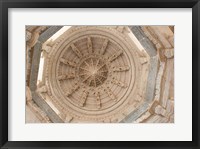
(93,74)
(100,69)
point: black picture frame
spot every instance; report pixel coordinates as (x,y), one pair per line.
(4,86)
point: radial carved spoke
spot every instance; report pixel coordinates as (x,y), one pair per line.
(101,67)
(84,69)
(98,100)
(95,84)
(86,63)
(119,83)
(103,71)
(87,78)
(116,55)
(75,49)
(97,63)
(67,76)
(92,63)
(104,46)
(89,82)
(101,76)
(121,68)
(83,98)
(89,45)
(110,93)
(67,62)
(83,74)
(72,90)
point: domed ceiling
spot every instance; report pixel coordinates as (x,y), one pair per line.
(92,71)
(96,74)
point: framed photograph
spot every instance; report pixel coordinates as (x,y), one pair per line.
(103,74)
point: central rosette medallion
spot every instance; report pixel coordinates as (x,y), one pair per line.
(93,71)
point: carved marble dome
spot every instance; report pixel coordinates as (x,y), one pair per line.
(91,74)
(96,74)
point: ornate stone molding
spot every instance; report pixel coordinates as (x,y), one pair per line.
(42,105)
(162,108)
(34,108)
(163,39)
